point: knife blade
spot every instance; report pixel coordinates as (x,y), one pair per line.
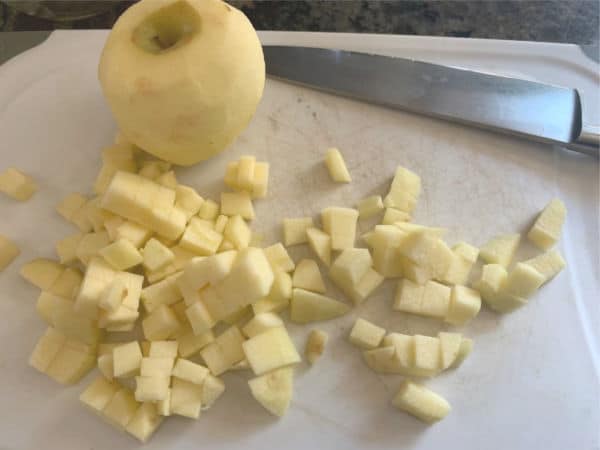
(524,108)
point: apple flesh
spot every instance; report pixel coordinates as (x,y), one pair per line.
(169,77)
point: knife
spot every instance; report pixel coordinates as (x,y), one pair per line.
(531,110)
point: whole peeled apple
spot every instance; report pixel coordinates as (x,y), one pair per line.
(182,77)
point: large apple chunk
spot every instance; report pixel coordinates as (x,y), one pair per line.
(172,84)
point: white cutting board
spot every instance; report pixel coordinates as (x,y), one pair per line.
(532,380)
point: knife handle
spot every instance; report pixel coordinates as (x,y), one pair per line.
(588,141)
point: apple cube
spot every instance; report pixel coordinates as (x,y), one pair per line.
(308,307)
(384,242)
(106,366)
(493,277)
(522,281)
(436,300)
(75,326)
(393,215)
(294,230)
(370,206)
(72,362)
(66,248)
(340,224)
(212,388)
(337,166)
(154,366)
(261,323)
(466,347)
(365,287)
(17,185)
(163,349)
(427,355)
(500,249)
(270,350)
(381,360)
(156,255)
(134,233)
(245,172)
(237,232)
(409,297)
(98,394)
(202,241)
(113,295)
(226,350)
(209,210)
(239,317)
(449,348)
(190,371)
(41,272)
(151,389)
(199,317)
(307,276)
(190,343)
(427,251)
(90,245)
(121,408)
(133,289)
(237,203)
(163,407)
(404,191)
(67,284)
(260,184)
(548,264)
(250,279)
(71,204)
(279,258)
(365,334)
(547,228)
(279,296)
(168,179)
(188,200)
(320,243)
(144,422)
(127,359)
(274,390)
(404,356)
(350,266)
(152,169)
(465,304)
(315,345)
(163,293)
(421,402)
(47,348)
(160,324)
(186,398)
(415,227)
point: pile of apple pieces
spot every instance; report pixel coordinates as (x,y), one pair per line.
(146,239)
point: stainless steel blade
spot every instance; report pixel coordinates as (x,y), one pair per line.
(529,109)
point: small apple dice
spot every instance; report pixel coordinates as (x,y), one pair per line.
(547,228)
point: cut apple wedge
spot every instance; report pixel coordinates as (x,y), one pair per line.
(274,390)
(308,307)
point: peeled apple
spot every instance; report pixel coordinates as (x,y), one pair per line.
(183,78)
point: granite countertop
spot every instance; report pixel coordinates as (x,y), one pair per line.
(573,21)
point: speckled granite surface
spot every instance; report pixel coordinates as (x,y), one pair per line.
(574,21)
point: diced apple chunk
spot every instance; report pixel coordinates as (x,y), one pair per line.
(163,349)
(465,304)
(340,224)
(8,252)
(260,323)
(548,264)
(91,244)
(274,390)
(449,348)
(427,251)
(237,203)
(136,234)
(237,232)
(190,343)
(421,402)
(121,408)
(42,272)
(226,350)
(156,255)
(409,297)
(315,345)
(121,254)
(365,334)
(71,204)
(154,366)
(144,422)
(436,300)
(393,215)
(151,389)
(404,191)
(17,185)
(320,243)
(98,394)
(165,292)
(369,206)
(270,350)
(547,228)
(279,296)
(279,258)
(113,295)
(493,277)
(127,359)
(66,248)
(212,388)
(308,307)
(188,200)
(209,210)
(427,355)
(73,361)
(106,366)
(160,324)
(186,398)
(202,241)
(337,166)
(500,249)
(307,276)
(466,346)
(199,317)
(294,230)
(350,266)
(190,371)
(46,349)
